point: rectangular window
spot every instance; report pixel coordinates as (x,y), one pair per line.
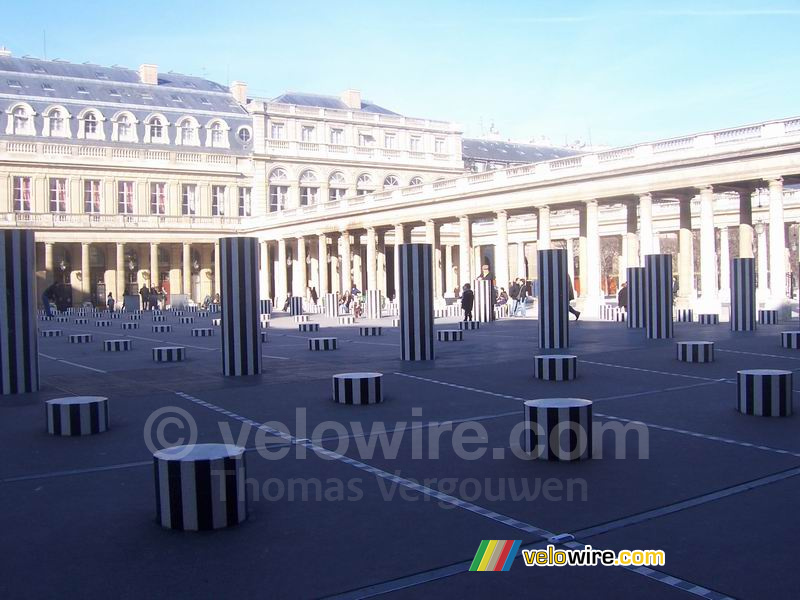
(415,144)
(58,195)
(189,199)
(158,198)
(365,139)
(308,196)
(125,197)
(307,133)
(245,205)
(276,131)
(390,141)
(335,194)
(91,196)
(22,194)
(217,200)
(277,197)
(438,146)
(337,136)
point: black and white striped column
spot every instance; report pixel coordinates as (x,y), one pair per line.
(684,315)
(302,318)
(373,304)
(322,344)
(130,326)
(357,388)
(555,367)
(553,299)
(697,352)
(790,339)
(265,306)
(200,487)
(161,328)
(19,347)
(331,305)
(658,296)
(169,354)
(51,332)
(415,262)
(767,317)
(296,305)
(559,428)
(636,302)
(159,319)
(347,320)
(743,294)
(765,392)
(202,332)
(365,331)
(77,415)
(241,348)
(708,319)
(484,301)
(450,335)
(117,345)
(468,325)
(80,338)
(307,327)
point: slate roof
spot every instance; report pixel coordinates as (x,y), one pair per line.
(491,150)
(322,101)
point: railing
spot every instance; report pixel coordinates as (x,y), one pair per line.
(671,145)
(334,114)
(615,154)
(100,221)
(566,163)
(735,135)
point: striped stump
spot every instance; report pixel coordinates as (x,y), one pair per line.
(264,324)
(450,335)
(767,317)
(264,337)
(177,313)
(46,318)
(330,305)
(357,388)
(395,322)
(200,487)
(367,331)
(117,345)
(553,299)
(559,429)
(555,367)
(308,327)
(81,321)
(765,392)
(708,319)
(202,314)
(161,328)
(296,305)
(191,309)
(80,338)
(684,315)
(114,315)
(102,323)
(241,343)
(743,294)
(216,322)
(156,312)
(135,317)
(214,308)
(186,320)
(159,318)
(77,415)
(326,343)
(264,318)
(302,319)
(202,332)
(658,296)
(636,302)
(790,339)
(62,319)
(415,264)
(468,325)
(130,326)
(695,352)
(169,354)
(374,304)
(265,306)
(501,311)
(347,320)
(52,332)
(612,313)
(484,301)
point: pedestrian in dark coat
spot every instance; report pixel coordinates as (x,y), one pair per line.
(467,300)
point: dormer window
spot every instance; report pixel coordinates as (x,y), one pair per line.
(57,124)
(124,129)
(216,134)
(90,125)
(188,131)
(156,130)
(21,121)
(14,83)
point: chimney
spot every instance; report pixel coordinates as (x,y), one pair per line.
(239,91)
(4,51)
(352,99)
(148,74)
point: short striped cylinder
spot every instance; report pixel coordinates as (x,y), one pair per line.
(611,313)
(395,322)
(366,331)
(69,311)
(501,311)
(265,306)
(80,338)
(216,322)
(450,335)
(684,315)
(330,304)
(191,309)
(467,325)
(357,388)
(77,415)
(326,343)
(159,318)
(658,296)
(373,304)
(156,313)
(264,337)
(62,319)
(81,312)
(51,332)
(558,429)
(695,352)
(636,302)
(200,487)
(202,314)
(415,264)
(130,326)
(81,321)
(264,324)
(117,345)
(46,318)
(302,318)
(102,323)
(202,332)
(264,318)
(790,339)
(186,320)
(169,354)
(743,294)
(177,313)
(241,345)
(214,308)
(114,315)
(767,317)
(708,319)
(161,328)
(555,367)
(347,320)
(135,317)
(296,305)
(765,392)
(484,301)
(553,299)
(306,327)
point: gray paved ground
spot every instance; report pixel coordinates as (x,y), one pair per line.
(718,491)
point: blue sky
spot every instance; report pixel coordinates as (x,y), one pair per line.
(620,72)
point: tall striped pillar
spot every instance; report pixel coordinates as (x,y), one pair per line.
(19,353)
(553,299)
(484,301)
(743,294)
(658,296)
(374,304)
(330,303)
(241,345)
(636,303)
(416,301)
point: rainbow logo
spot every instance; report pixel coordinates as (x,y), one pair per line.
(495,555)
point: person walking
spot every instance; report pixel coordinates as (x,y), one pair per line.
(522,297)
(47,295)
(513,294)
(622,297)
(110,302)
(153,299)
(144,293)
(467,300)
(314,295)
(571,297)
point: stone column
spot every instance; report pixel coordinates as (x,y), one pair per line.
(763,266)
(281,285)
(86,282)
(708,252)
(543,226)
(583,256)
(449,275)
(49,275)
(622,261)
(686,292)
(381,257)
(265,279)
(322,253)
(724,263)
(432,238)
(646,224)
(631,239)
(217,270)
(120,275)
(571,258)
(522,271)
(336,277)
(372,259)
(346,269)
(746,223)
(299,278)
(777,243)
(464,249)
(501,249)
(594,294)
(154,265)
(186,288)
